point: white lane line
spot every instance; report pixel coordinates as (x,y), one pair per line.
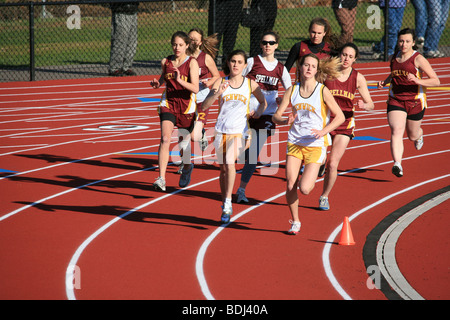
(385,252)
(73,261)
(75,141)
(202,251)
(96,84)
(333,235)
(72,92)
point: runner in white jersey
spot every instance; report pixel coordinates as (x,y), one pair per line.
(233,93)
(312,113)
(308,136)
(234,109)
(270,75)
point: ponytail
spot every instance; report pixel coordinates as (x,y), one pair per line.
(209,44)
(326,68)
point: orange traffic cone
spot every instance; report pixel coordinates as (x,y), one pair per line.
(346,234)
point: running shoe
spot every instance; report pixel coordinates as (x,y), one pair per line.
(302,169)
(419,42)
(226,214)
(180,168)
(185,177)
(129,72)
(322,169)
(241,196)
(323,203)
(419,143)
(397,170)
(433,54)
(203,141)
(295,227)
(160,184)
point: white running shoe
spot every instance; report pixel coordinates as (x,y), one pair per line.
(419,143)
(160,184)
(203,142)
(295,227)
(180,168)
(323,203)
(397,170)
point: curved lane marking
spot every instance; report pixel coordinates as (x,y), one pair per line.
(202,252)
(333,235)
(385,252)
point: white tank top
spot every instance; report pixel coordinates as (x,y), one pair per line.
(234,106)
(312,113)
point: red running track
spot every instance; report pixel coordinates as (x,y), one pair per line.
(78,159)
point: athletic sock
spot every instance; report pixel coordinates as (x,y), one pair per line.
(227,203)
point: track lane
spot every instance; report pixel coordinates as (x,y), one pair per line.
(172,225)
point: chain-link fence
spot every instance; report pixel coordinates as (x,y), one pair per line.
(76,39)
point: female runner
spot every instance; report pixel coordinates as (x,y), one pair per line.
(177,107)
(268,72)
(319,43)
(407,95)
(343,90)
(308,136)
(205,52)
(233,92)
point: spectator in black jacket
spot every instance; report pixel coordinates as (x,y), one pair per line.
(269,11)
(225,22)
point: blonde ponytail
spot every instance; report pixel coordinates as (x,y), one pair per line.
(328,68)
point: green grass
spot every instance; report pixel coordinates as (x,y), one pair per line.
(55,44)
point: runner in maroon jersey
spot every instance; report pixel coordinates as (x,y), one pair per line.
(407,95)
(205,52)
(268,73)
(177,108)
(343,90)
(318,43)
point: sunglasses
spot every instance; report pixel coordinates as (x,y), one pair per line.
(265,43)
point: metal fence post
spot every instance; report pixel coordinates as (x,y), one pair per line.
(386,28)
(31,21)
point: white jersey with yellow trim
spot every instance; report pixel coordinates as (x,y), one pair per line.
(311,113)
(234,108)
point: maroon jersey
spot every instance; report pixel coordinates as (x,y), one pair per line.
(344,94)
(267,80)
(322,54)
(179,99)
(401,88)
(203,69)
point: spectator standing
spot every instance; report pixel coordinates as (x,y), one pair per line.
(269,11)
(431,17)
(345,13)
(123,38)
(421,20)
(396,8)
(225,18)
